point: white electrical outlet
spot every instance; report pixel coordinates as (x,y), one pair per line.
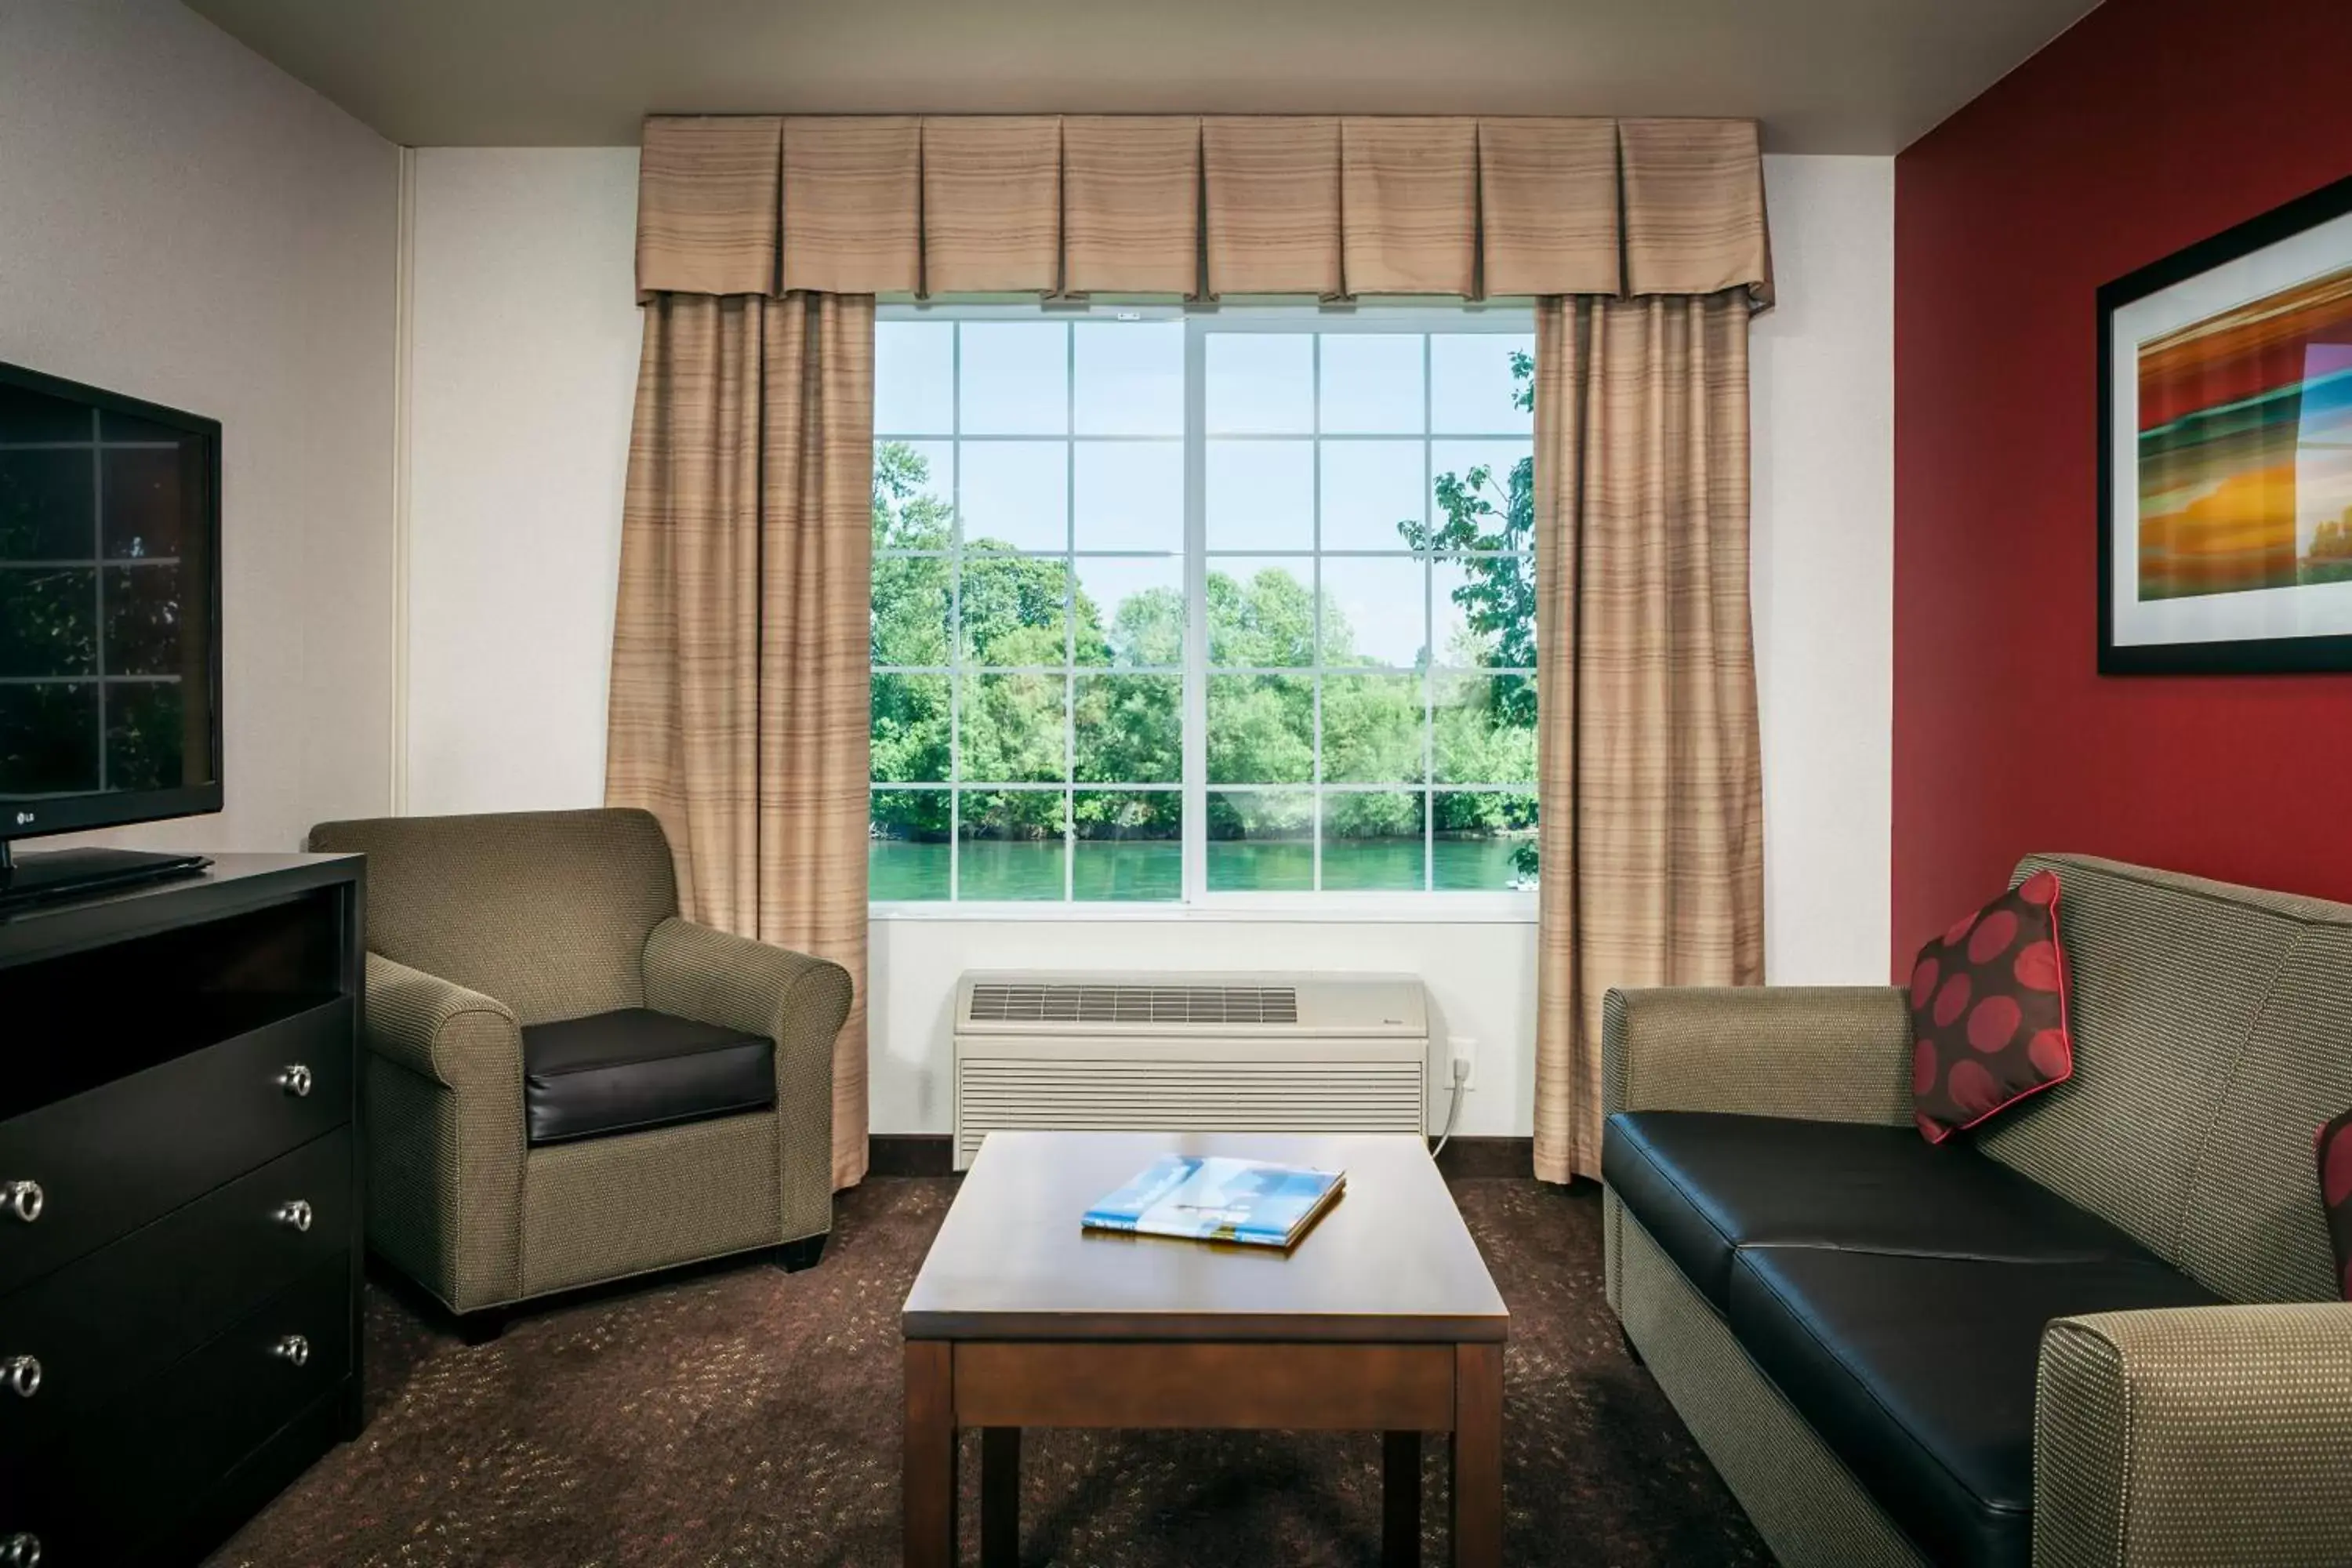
(1463,1052)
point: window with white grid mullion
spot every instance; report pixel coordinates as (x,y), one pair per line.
(1249,592)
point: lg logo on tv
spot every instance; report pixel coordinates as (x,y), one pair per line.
(23,819)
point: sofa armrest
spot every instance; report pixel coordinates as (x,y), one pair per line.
(446,1143)
(798,1002)
(2201,1435)
(1822,1053)
(437,1029)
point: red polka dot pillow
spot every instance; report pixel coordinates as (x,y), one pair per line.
(1989,1011)
(2336,1191)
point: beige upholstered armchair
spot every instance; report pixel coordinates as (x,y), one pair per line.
(566,1082)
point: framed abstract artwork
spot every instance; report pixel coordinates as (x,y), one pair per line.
(2225,450)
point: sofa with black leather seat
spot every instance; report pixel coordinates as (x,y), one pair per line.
(2104,1329)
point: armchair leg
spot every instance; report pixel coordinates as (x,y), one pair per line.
(484,1326)
(795,1255)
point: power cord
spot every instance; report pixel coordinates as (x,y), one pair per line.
(1454,1111)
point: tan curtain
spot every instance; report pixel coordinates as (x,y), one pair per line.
(1652,796)
(1199,205)
(738,713)
(739,677)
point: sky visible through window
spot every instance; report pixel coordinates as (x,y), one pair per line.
(1050,721)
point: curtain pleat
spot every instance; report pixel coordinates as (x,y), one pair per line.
(706,205)
(1548,206)
(1694,207)
(1650,772)
(1271,185)
(739,708)
(1409,205)
(992,205)
(1200,205)
(853,188)
(1131,205)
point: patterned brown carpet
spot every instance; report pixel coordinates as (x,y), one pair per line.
(745,1415)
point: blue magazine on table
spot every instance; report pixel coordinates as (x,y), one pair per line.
(1208,1198)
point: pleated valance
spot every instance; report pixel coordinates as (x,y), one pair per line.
(1201,206)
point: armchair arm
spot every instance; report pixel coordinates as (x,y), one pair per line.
(798,1002)
(437,1029)
(1823,1053)
(2201,1435)
(445,1134)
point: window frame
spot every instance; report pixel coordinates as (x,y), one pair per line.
(1196,901)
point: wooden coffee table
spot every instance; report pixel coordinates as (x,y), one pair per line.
(1381,1319)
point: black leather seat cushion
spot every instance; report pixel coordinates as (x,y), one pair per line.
(1918,1371)
(628,1070)
(1704,1184)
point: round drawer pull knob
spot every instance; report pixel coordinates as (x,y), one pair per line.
(295,1081)
(25,1200)
(20,1551)
(21,1375)
(296,1214)
(293,1348)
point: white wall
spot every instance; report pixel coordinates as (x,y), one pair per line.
(523,364)
(181,221)
(1822,380)
(523,371)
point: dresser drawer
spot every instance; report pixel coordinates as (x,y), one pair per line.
(108,1160)
(130,1309)
(126,1473)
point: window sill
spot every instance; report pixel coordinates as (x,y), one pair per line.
(1440,909)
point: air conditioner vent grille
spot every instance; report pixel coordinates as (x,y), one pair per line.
(996,1002)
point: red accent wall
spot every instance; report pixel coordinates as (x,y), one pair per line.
(2151,124)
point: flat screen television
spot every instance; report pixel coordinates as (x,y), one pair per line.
(109,621)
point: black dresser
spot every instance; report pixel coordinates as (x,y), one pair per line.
(179,1214)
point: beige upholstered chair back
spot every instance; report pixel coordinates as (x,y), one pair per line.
(546,911)
(2212,1031)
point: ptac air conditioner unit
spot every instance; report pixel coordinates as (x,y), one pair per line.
(1181,1053)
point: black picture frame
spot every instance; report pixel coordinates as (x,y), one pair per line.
(2268,656)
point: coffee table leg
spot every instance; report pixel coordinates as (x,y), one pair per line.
(929,1480)
(999,1497)
(1399,1499)
(1478,1455)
